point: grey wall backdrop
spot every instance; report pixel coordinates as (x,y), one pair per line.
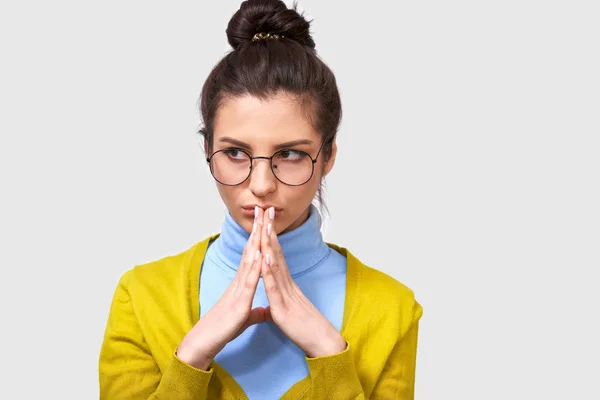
(468,169)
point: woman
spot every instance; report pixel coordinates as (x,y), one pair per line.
(266,309)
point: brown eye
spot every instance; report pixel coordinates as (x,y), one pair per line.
(290,155)
(235,154)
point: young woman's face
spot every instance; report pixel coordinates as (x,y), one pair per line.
(261,128)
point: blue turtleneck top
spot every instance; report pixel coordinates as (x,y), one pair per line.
(263,361)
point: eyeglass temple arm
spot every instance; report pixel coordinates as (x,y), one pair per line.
(322,145)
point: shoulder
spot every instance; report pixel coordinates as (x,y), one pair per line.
(388,298)
(167,271)
(380,298)
(162,291)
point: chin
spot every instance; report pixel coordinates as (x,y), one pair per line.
(247,225)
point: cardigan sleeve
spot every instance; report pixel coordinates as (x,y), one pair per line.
(127,369)
(397,380)
(336,377)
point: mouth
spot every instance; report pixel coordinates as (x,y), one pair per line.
(248,210)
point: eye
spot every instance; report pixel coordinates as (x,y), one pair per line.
(290,155)
(235,154)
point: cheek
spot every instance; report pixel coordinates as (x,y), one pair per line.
(297,199)
(231,196)
(301,194)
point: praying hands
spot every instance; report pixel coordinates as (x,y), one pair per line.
(288,308)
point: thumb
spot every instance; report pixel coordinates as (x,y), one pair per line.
(268,316)
(257,315)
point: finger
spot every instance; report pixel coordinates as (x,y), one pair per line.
(257,227)
(253,244)
(265,246)
(270,247)
(251,280)
(268,220)
(255,237)
(258,220)
(272,287)
(250,255)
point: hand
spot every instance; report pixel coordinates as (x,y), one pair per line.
(288,308)
(232,313)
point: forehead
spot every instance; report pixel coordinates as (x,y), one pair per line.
(253,120)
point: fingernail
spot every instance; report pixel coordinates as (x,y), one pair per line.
(254,227)
(272,212)
(257,254)
(268,259)
(255,212)
(269,230)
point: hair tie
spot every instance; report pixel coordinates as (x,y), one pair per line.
(266,35)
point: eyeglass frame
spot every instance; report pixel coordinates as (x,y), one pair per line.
(313,162)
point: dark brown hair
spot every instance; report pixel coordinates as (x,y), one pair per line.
(267,67)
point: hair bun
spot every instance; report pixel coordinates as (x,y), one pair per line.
(268,16)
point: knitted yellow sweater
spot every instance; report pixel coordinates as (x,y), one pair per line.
(156,304)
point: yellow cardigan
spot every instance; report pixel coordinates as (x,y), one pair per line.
(156,304)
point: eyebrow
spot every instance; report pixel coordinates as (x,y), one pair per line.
(239,143)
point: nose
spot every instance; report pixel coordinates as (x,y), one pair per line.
(262,180)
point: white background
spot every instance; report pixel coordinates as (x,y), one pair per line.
(468,169)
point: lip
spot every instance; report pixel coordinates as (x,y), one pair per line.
(248,209)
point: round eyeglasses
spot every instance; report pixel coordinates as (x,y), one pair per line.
(233,166)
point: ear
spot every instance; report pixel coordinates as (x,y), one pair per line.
(331,161)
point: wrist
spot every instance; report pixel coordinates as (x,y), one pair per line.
(334,344)
(196,360)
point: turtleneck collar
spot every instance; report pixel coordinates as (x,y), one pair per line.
(303,247)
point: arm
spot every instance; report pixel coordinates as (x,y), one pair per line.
(127,369)
(397,380)
(336,376)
